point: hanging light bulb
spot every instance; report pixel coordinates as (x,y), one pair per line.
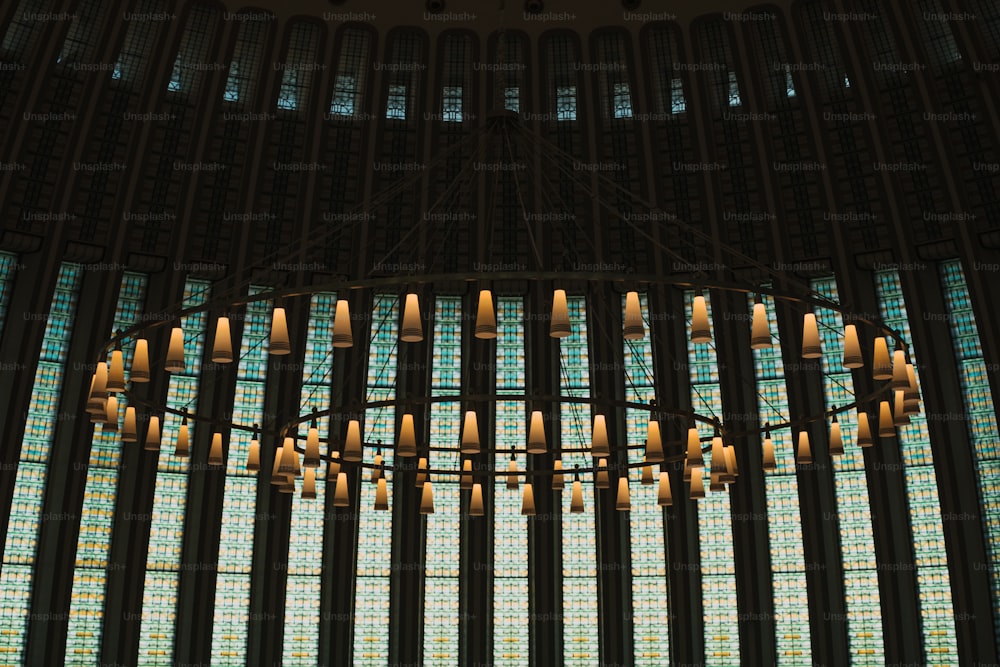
(253,456)
(427,498)
(377,468)
(811,348)
(312,447)
(770,463)
(465,482)
(647,473)
(664,496)
(886,428)
(222,348)
(153,434)
(381,495)
(333,467)
(183,447)
(341,494)
(557,477)
(864,430)
(111,417)
(528,500)
(836,439)
(852,348)
(911,395)
(476,502)
(486,319)
(559,326)
(352,443)
(602,481)
(342,334)
(760,328)
(407,437)
(576,501)
(899,377)
(215,452)
(654,442)
(175,352)
(512,468)
(130,433)
(697,483)
(899,416)
(309,484)
(412,331)
(701,331)
(536,434)
(116,371)
(421,478)
(96,401)
(140,362)
(881,368)
(634,328)
(470,433)
(623,502)
(599,445)
(803,455)
(279,332)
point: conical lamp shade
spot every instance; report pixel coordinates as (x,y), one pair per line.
(279,333)
(576,502)
(470,433)
(886,427)
(412,331)
(278,478)
(852,348)
(465,482)
(559,326)
(222,348)
(654,442)
(215,453)
(697,483)
(476,501)
(407,437)
(377,469)
(811,348)
(309,484)
(333,467)
(899,416)
(694,455)
(899,377)
(253,455)
(352,444)
(427,498)
(769,463)
(881,368)
(98,390)
(603,481)
(183,448)
(312,448)
(116,372)
(911,395)
(715,482)
(175,352)
(343,336)
(512,482)
(111,416)
(634,328)
(528,500)
(536,434)
(732,470)
(718,462)
(153,434)
(130,432)
(836,439)
(140,362)
(486,319)
(864,430)
(803,455)
(421,477)
(623,502)
(664,496)
(701,331)
(558,482)
(599,445)
(647,473)
(289,457)
(381,495)
(760,329)
(341,495)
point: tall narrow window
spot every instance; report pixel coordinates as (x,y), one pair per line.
(8,266)
(86,612)
(288,97)
(512,99)
(677,102)
(133,60)
(174,85)
(621,101)
(296,78)
(395,106)
(345,90)
(789,82)
(351,67)
(650,596)
(22,29)
(244,70)
(166,530)
(451,104)
(32,468)
(232,91)
(734,90)
(566,103)
(441,562)
(579,543)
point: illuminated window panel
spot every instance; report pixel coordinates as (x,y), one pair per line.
(232,599)
(29,485)
(166,532)
(718,574)
(579,542)
(510,528)
(981,416)
(857,542)
(931,558)
(8,265)
(650,600)
(443,537)
(305,543)
(86,613)
(788,568)
(371,597)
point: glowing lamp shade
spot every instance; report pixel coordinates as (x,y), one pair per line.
(852,348)
(253,455)
(576,502)
(407,445)
(864,430)
(701,331)
(427,498)
(732,470)
(333,467)
(279,333)
(175,352)
(559,324)
(421,477)
(309,484)
(222,347)
(116,372)
(130,432)
(836,438)
(536,434)
(634,328)
(602,481)
(312,447)
(654,442)
(183,447)
(769,462)
(377,469)
(558,482)
(412,331)
(803,454)
(512,482)
(470,433)
(623,502)
(465,482)
(899,415)
(352,443)
(760,329)
(664,496)
(476,507)
(153,434)
(111,415)
(718,462)
(98,390)
(381,495)
(486,319)
(140,362)
(899,377)
(881,368)
(599,445)
(215,451)
(694,456)
(343,336)
(647,473)
(528,500)
(911,395)
(886,427)
(697,483)
(810,337)
(289,458)
(341,494)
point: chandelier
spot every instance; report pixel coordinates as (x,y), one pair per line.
(299,453)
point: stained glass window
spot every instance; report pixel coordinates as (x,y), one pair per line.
(566,103)
(512,99)
(395,106)
(344,93)
(677,102)
(451,104)
(8,266)
(734,90)
(29,484)
(621,100)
